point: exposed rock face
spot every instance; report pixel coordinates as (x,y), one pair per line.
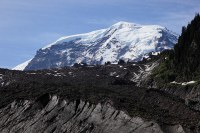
(141,77)
(62,116)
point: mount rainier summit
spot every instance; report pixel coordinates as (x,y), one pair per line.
(123,40)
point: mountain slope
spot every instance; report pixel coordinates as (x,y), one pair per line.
(22,66)
(122,40)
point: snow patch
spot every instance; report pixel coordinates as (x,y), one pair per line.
(22,66)
(32,73)
(113,73)
(183,83)
(70,73)
(155,53)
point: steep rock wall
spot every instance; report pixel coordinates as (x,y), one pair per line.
(53,115)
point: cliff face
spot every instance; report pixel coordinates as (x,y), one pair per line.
(53,115)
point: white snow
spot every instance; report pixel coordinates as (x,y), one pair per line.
(183,83)
(48,73)
(113,73)
(22,66)
(32,73)
(187,83)
(155,53)
(174,82)
(59,74)
(84,37)
(122,40)
(70,73)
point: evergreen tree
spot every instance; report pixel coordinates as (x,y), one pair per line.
(187,51)
(121,62)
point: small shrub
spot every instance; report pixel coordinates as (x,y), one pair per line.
(121,62)
(108,63)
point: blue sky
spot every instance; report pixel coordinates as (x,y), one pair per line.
(27,25)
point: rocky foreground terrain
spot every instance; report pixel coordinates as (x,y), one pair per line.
(109,98)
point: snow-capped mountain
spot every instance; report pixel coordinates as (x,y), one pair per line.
(127,41)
